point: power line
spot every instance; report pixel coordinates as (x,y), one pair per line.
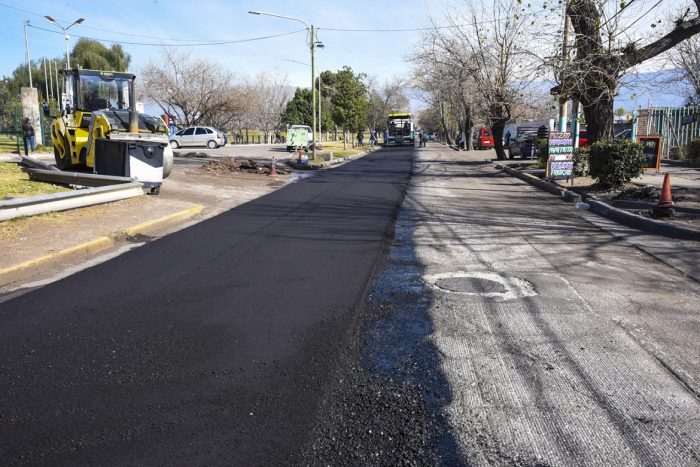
(433,28)
(83,26)
(161,44)
(616,14)
(648,11)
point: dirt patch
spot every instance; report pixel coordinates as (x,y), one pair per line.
(641,200)
(227,164)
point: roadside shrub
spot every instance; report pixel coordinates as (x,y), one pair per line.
(542,153)
(581,165)
(615,161)
(692,151)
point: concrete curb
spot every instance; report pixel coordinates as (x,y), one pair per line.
(603,209)
(645,224)
(27,268)
(550,187)
(290,161)
(144,227)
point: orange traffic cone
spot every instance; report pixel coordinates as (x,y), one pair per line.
(665,206)
(273,168)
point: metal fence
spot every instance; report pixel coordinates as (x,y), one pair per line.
(678,126)
(11,133)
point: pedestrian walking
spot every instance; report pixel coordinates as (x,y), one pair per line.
(373,138)
(360,138)
(29,140)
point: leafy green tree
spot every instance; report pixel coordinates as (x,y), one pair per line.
(93,55)
(350,102)
(298,110)
(20,78)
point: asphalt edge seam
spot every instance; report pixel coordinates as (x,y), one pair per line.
(21,270)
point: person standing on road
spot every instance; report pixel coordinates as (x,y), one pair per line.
(29,141)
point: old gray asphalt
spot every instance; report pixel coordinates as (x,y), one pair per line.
(558,343)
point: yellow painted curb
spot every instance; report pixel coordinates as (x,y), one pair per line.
(17,270)
(20,270)
(150,225)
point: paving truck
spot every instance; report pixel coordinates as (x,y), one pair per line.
(98,127)
(399,130)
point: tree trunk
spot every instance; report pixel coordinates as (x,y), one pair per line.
(497,132)
(443,119)
(599,119)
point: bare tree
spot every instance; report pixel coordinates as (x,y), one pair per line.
(489,50)
(268,98)
(391,97)
(686,60)
(193,90)
(603,54)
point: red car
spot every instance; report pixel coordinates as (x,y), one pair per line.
(483,139)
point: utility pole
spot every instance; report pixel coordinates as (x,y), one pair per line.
(50,79)
(565,58)
(26,53)
(319,107)
(312,45)
(46,81)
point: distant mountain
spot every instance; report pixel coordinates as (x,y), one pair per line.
(650,89)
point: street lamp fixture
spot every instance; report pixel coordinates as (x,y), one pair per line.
(65,32)
(312,47)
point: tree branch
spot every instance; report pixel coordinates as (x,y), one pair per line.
(633,56)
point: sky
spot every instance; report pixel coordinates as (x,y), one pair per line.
(379,54)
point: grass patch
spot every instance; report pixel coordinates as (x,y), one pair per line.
(16,184)
(9,145)
(336,147)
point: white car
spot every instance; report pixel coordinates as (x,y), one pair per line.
(198,136)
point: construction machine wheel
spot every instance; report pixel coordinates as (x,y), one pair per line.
(63,163)
(212,144)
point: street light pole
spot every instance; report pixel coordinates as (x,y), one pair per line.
(312,46)
(65,32)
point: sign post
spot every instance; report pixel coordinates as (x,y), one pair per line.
(651,145)
(560,163)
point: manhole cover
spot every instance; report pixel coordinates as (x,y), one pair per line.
(475,285)
(481,283)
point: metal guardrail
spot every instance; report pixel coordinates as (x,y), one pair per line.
(34,205)
(74,178)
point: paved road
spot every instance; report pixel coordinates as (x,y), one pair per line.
(208,346)
(530,336)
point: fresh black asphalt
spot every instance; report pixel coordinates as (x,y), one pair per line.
(212,345)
